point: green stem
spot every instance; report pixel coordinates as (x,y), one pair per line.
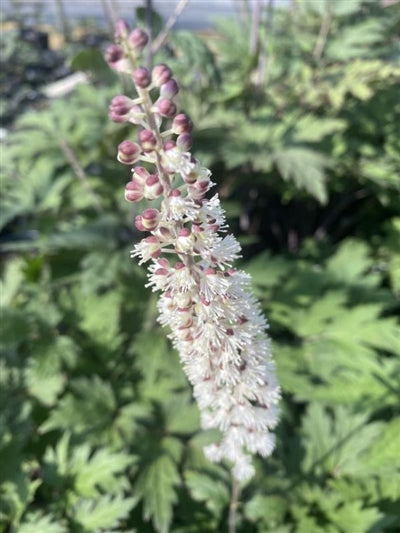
(233,506)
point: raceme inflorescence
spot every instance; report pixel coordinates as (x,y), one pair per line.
(215,323)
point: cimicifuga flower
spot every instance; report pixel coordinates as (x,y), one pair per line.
(215,323)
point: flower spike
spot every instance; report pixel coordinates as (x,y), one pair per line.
(215,322)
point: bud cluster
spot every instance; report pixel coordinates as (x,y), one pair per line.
(215,322)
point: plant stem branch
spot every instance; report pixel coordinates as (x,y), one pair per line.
(233,505)
(162,36)
(80,174)
(323,34)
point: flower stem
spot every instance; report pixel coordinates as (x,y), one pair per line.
(233,505)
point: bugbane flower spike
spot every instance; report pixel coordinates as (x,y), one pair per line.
(215,323)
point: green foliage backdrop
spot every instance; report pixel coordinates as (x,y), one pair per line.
(98,430)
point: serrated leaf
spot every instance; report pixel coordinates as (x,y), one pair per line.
(310,128)
(336,444)
(206,488)
(37,522)
(156,484)
(306,168)
(102,513)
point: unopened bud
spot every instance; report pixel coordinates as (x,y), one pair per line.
(133,192)
(128,152)
(168,145)
(154,246)
(113,54)
(184,240)
(169,89)
(165,107)
(150,218)
(138,39)
(184,142)
(181,124)
(140,175)
(161,74)
(141,77)
(153,188)
(121,30)
(147,140)
(120,108)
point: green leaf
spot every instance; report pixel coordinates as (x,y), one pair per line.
(312,129)
(354,517)
(206,488)
(267,509)
(102,513)
(92,60)
(306,168)
(89,409)
(156,485)
(37,522)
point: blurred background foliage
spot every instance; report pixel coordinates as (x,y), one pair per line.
(297,113)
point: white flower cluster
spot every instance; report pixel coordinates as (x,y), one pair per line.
(216,324)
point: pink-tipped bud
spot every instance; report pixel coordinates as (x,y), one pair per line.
(138,39)
(140,175)
(121,30)
(210,271)
(150,218)
(181,124)
(153,188)
(184,142)
(154,246)
(163,262)
(138,223)
(169,89)
(168,145)
(113,55)
(179,265)
(147,140)
(184,241)
(128,152)
(133,192)
(190,178)
(161,74)
(165,107)
(141,77)
(120,108)
(175,193)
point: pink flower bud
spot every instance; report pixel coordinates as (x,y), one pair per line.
(165,107)
(154,246)
(184,241)
(163,262)
(150,218)
(182,124)
(140,174)
(121,30)
(133,192)
(138,223)
(161,74)
(138,39)
(128,152)
(184,142)
(141,77)
(153,188)
(113,55)
(147,140)
(168,145)
(175,193)
(169,89)
(120,108)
